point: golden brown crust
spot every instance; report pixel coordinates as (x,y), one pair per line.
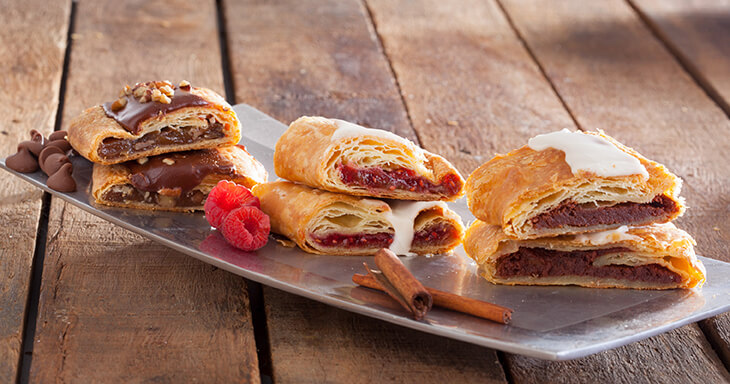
(511,189)
(662,244)
(310,151)
(88,130)
(248,172)
(297,212)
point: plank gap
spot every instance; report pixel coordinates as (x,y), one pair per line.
(716,342)
(260,330)
(505,366)
(255,294)
(34,292)
(537,62)
(379,40)
(39,254)
(228,85)
(684,62)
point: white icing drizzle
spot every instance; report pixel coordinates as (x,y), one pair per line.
(607,237)
(347,129)
(589,153)
(402,217)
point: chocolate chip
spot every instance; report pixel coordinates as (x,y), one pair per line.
(23,161)
(37,137)
(61,180)
(58,135)
(63,144)
(46,152)
(33,146)
(53,163)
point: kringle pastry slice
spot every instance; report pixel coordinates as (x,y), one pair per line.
(339,156)
(571,182)
(658,256)
(333,223)
(154,118)
(177,181)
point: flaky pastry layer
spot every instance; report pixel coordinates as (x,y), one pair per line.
(87,132)
(311,152)
(248,172)
(512,190)
(661,244)
(305,214)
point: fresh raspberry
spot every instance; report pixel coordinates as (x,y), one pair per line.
(246,228)
(225,197)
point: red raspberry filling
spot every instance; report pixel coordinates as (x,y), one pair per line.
(377,178)
(380,240)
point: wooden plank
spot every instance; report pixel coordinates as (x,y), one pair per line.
(315,343)
(115,307)
(32,64)
(651,361)
(343,75)
(471,88)
(614,75)
(294,58)
(697,33)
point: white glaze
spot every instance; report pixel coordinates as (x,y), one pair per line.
(607,237)
(589,153)
(402,217)
(347,129)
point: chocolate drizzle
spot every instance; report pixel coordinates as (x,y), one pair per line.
(180,171)
(134,113)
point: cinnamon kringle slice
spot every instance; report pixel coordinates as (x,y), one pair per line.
(340,156)
(177,181)
(658,256)
(154,118)
(572,182)
(338,224)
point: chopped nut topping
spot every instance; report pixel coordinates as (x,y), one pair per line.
(184,85)
(142,161)
(119,104)
(159,91)
(168,161)
(167,90)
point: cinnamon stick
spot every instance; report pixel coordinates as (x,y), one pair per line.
(451,301)
(398,282)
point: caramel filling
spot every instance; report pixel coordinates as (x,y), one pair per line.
(114,148)
(127,194)
(540,262)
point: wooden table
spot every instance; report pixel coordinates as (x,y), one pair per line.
(84,301)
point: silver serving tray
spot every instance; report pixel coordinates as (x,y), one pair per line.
(555,323)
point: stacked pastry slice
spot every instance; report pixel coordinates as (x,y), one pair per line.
(338,176)
(162,147)
(574,208)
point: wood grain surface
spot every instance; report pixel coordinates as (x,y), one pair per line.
(113,306)
(471,88)
(465,81)
(31,64)
(315,343)
(294,58)
(698,34)
(615,75)
(312,342)
(656,360)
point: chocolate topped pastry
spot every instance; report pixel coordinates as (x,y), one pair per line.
(175,181)
(154,118)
